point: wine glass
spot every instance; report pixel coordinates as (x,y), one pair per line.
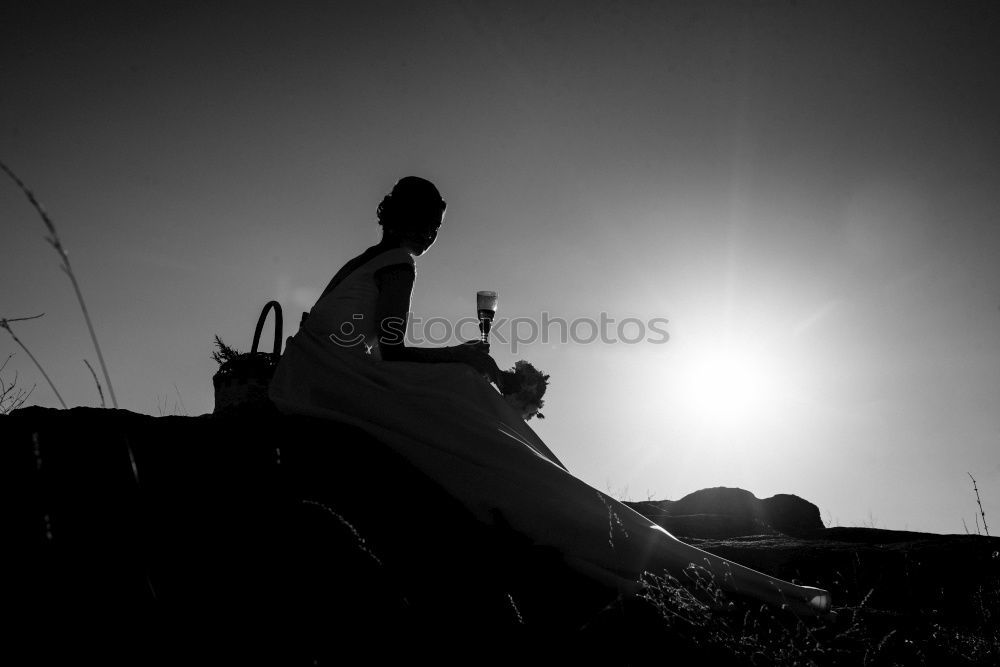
(486,308)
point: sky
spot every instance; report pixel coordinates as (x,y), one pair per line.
(806,192)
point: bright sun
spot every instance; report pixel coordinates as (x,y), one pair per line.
(727,388)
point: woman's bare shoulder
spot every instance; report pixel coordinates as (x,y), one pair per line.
(396,256)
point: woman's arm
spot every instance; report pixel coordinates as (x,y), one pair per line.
(395,286)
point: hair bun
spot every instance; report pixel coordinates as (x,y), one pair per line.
(410,193)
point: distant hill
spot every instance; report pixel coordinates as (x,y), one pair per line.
(729,512)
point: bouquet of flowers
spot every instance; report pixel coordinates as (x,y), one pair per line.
(523,387)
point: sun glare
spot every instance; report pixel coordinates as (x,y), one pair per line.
(726,388)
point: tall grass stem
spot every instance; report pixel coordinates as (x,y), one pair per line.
(53,240)
(99,391)
(5,323)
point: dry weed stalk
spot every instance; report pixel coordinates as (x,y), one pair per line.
(11,398)
(5,324)
(178,392)
(53,240)
(980,502)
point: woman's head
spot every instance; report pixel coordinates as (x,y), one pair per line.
(412,213)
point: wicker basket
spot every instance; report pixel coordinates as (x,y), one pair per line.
(242,383)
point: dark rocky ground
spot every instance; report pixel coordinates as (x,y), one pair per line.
(784,535)
(263,537)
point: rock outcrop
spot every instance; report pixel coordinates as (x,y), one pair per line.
(722,512)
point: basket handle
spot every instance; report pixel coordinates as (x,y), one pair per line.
(277,329)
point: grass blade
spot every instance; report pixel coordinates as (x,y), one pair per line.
(53,240)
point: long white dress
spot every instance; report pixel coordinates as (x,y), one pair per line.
(451,423)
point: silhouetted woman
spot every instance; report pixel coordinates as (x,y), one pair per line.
(438,409)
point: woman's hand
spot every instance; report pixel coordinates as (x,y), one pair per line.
(477,354)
